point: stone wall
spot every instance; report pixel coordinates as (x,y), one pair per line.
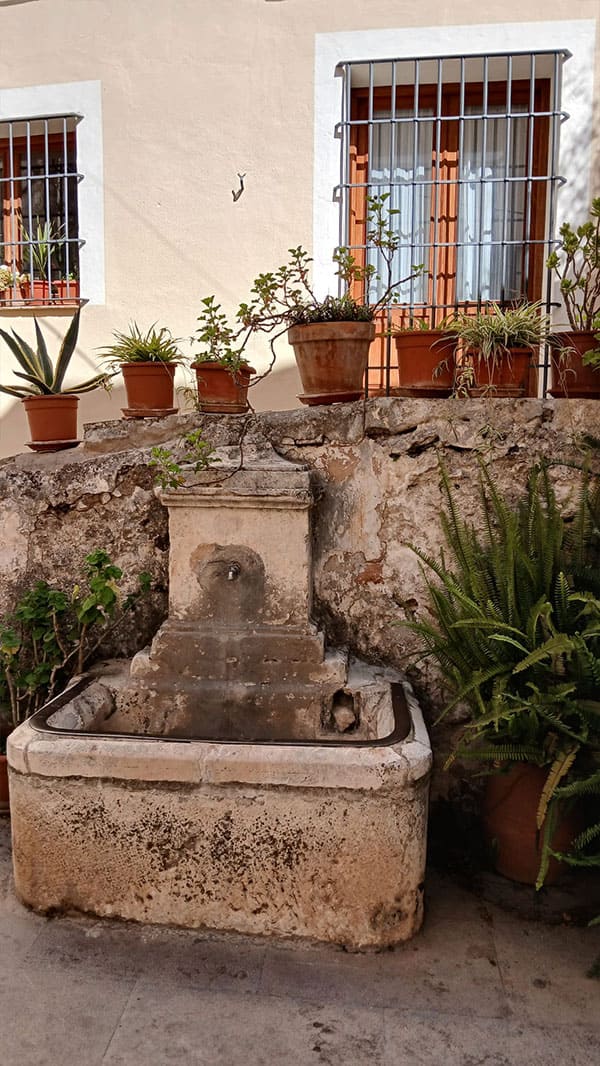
(376,474)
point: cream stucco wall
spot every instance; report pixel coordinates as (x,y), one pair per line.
(190,92)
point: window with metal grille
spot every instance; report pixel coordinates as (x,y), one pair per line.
(39,242)
(466,150)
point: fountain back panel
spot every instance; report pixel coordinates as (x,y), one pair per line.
(236,774)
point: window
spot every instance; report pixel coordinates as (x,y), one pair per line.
(466,150)
(40,229)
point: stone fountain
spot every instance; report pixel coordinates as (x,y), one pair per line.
(235,774)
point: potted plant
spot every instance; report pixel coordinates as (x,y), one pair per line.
(577,265)
(496,347)
(222,371)
(51,407)
(147,362)
(425,356)
(514,625)
(7,280)
(330,337)
(42,244)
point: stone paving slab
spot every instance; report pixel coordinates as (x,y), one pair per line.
(478,987)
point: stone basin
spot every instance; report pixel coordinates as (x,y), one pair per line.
(236,774)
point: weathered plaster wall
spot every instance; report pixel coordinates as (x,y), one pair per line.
(193,92)
(376,474)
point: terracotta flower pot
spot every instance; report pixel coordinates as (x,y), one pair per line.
(505,377)
(52,421)
(570,377)
(222,391)
(425,363)
(150,389)
(65,292)
(509,819)
(332,359)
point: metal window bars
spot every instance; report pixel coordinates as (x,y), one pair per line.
(40,241)
(466,149)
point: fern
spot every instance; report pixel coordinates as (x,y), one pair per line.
(514,606)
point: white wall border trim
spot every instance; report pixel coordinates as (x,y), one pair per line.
(331,49)
(74,98)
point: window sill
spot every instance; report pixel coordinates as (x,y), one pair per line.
(39,301)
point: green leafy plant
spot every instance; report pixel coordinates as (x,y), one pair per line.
(284,297)
(51,635)
(42,244)
(492,334)
(515,628)
(220,342)
(153,346)
(42,376)
(195,453)
(577,264)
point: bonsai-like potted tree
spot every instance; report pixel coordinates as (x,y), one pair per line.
(222,371)
(50,405)
(495,347)
(577,265)
(331,337)
(514,625)
(147,362)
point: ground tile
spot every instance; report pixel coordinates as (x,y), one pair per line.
(93,948)
(17,934)
(445,1041)
(188,1028)
(206,961)
(58,1018)
(448,966)
(544,971)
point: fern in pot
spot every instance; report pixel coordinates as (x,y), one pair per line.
(514,625)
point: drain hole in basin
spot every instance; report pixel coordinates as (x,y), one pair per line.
(344,717)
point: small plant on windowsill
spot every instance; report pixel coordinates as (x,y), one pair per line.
(577,266)
(496,347)
(147,362)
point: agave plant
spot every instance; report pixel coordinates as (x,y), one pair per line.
(42,376)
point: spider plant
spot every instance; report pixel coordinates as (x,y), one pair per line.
(493,334)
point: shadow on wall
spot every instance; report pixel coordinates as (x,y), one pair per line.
(278,392)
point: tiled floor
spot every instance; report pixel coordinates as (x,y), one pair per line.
(478,987)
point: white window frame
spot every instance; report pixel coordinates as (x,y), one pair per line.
(332,49)
(81,98)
